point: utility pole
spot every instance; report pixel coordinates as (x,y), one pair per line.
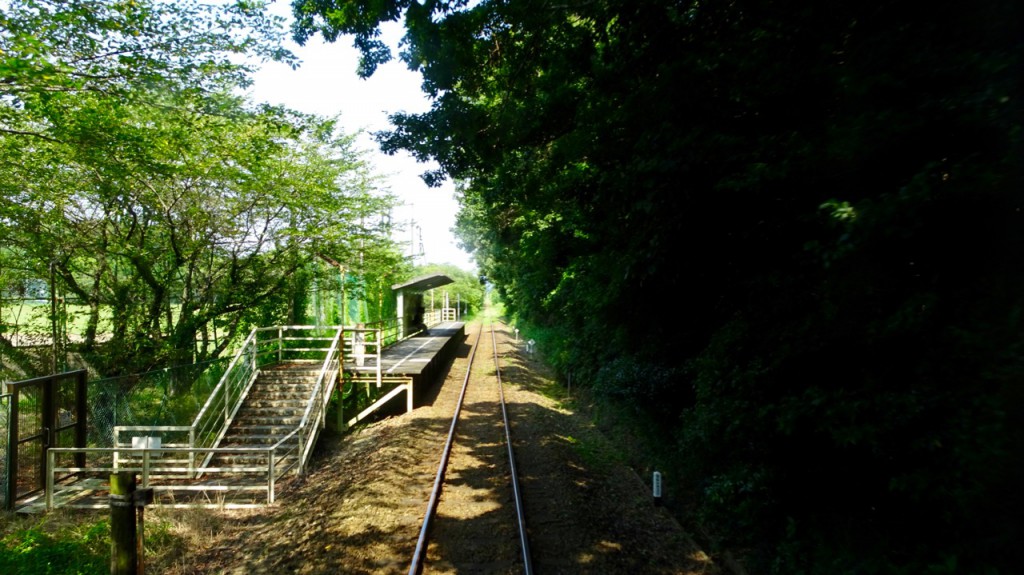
(415,230)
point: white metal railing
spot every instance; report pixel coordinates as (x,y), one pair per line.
(167,472)
(357,346)
(315,417)
(216,415)
(180,454)
(189,450)
(432,317)
(390,330)
(286,345)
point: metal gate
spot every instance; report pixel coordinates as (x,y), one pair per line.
(45,412)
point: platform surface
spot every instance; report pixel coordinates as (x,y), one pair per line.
(413,355)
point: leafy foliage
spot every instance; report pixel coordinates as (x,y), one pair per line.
(808,216)
(465,288)
(141,186)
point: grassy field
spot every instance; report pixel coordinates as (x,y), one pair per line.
(33,317)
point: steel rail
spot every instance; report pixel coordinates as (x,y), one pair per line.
(435,493)
(421,544)
(524,540)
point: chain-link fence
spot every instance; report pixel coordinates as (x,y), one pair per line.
(171,396)
(5,438)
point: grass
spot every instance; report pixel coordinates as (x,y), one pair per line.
(76,542)
(34,317)
(56,544)
(597,453)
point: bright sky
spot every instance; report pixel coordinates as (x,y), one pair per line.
(326,83)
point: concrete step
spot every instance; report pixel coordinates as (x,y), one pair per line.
(305,372)
(273,402)
(273,409)
(267,416)
(284,384)
(256,440)
(272,387)
(249,460)
(303,394)
(263,410)
(268,419)
(286,379)
(257,429)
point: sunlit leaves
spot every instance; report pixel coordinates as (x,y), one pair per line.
(132,170)
(122,50)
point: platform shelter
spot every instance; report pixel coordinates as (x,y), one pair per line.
(412,310)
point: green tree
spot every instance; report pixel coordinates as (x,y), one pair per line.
(123,49)
(465,288)
(68,70)
(153,192)
(798,222)
(204,219)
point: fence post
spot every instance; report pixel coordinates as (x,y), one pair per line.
(117,445)
(380,345)
(280,344)
(12,449)
(300,453)
(123,537)
(81,411)
(191,454)
(270,476)
(49,478)
(341,403)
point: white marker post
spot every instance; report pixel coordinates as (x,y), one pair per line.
(656,484)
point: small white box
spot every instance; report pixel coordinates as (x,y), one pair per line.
(147,443)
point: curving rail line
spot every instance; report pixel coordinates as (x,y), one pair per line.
(421,544)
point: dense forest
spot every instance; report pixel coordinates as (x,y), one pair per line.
(788,233)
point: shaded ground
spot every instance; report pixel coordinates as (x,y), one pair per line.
(360,508)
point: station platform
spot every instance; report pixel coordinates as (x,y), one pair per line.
(421,357)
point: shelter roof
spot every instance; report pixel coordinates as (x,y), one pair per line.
(424,283)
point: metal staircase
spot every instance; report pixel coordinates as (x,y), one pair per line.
(269,414)
(258,425)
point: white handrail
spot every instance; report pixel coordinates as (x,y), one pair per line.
(317,398)
(238,376)
(224,378)
(150,463)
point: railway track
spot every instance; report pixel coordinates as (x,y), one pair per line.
(475,521)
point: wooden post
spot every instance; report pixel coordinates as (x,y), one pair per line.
(123,538)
